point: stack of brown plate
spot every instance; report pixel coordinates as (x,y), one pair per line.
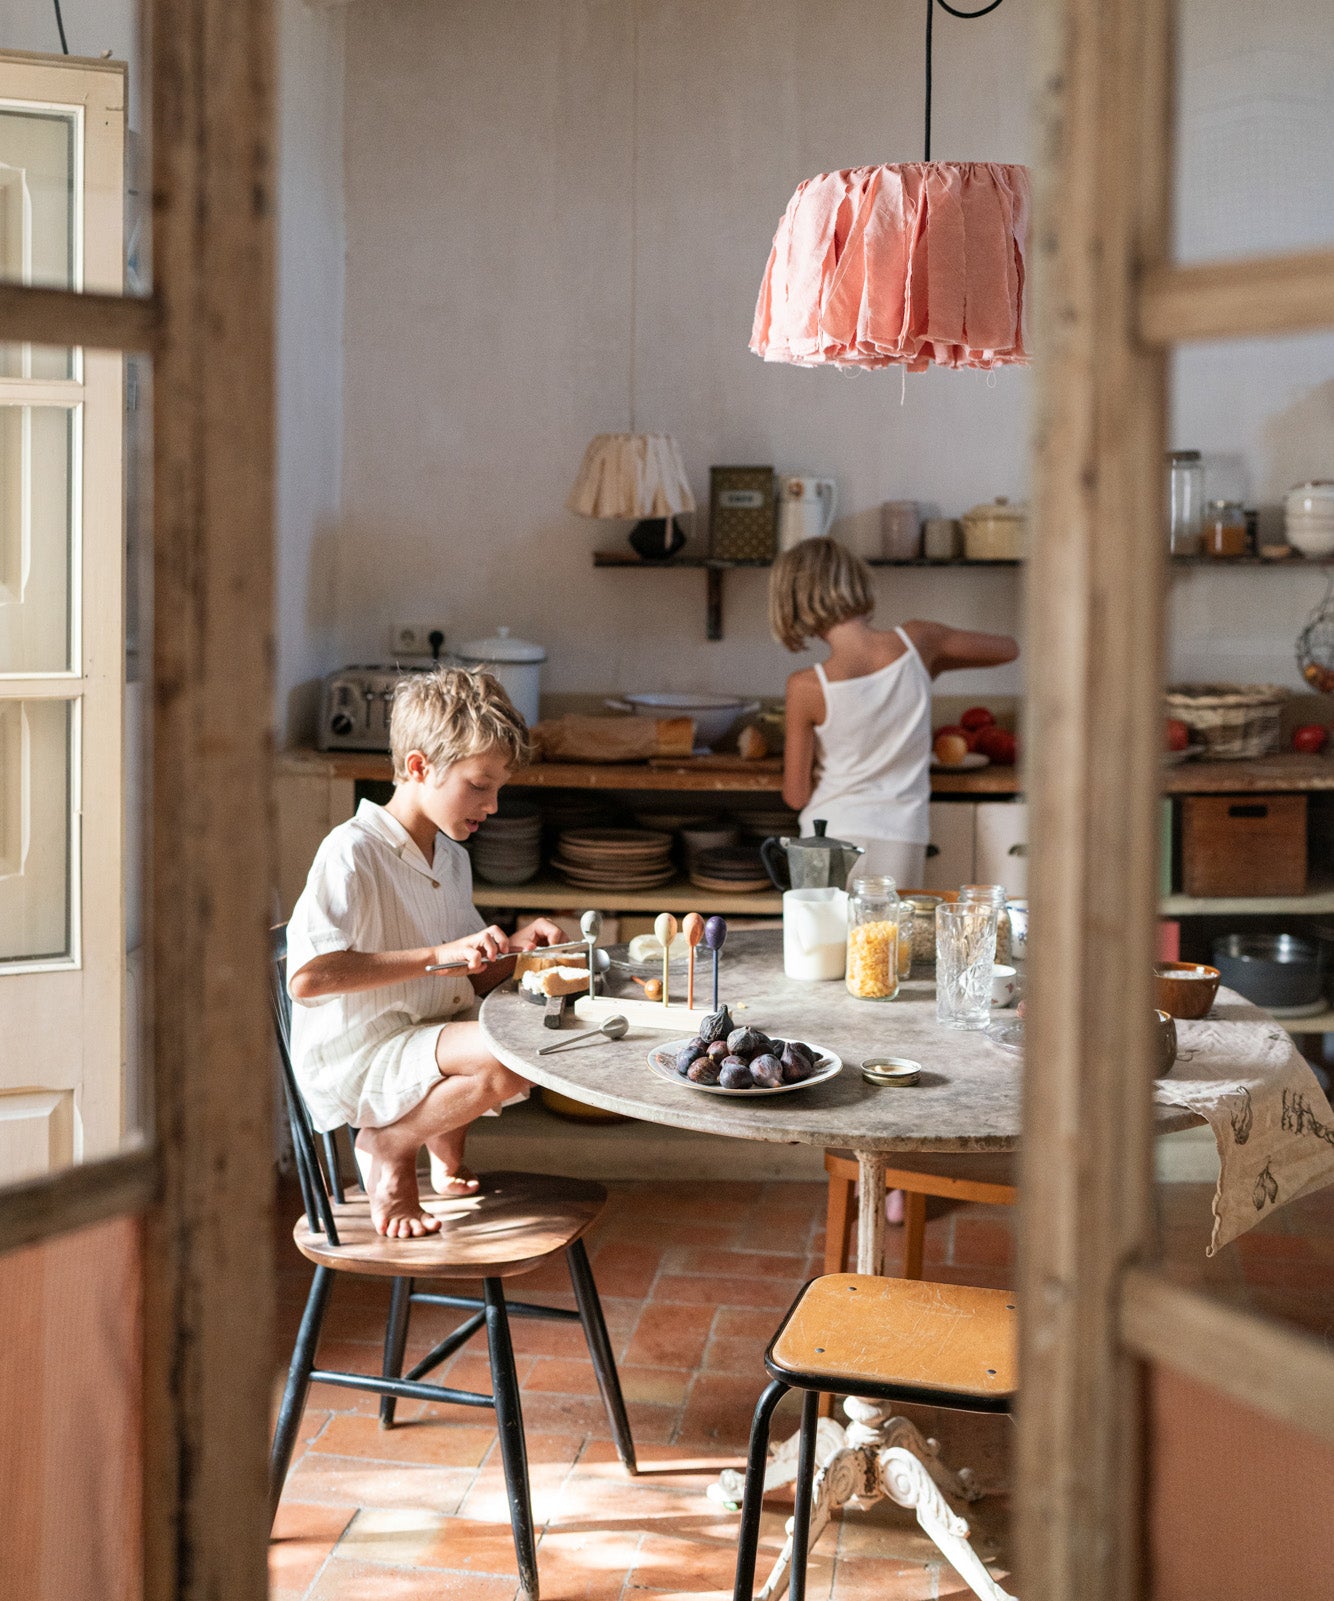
(614,858)
(775,820)
(729,870)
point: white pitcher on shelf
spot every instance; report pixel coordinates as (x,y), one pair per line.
(805,509)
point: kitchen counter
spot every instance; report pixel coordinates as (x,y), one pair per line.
(1270,774)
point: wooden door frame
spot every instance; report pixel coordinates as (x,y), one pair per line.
(1111,305)
(205,1184)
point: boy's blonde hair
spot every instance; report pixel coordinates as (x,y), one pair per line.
(452,713)
(813,586)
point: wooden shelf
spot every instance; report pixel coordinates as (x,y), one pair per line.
(554,894)
(1321,1023)
(1317,902)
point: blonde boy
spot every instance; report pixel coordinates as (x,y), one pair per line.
(377,1042)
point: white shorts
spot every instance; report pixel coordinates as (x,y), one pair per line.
(898,859)
(398,1073)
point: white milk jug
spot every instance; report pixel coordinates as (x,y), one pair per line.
(805,509)
(815,933)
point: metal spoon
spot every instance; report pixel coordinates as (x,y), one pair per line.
(614,1027)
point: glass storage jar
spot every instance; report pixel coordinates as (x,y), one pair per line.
(1185,477)
(1225,528)
(993,895)
(919,929)
(873,939)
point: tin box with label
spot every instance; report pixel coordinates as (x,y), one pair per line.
(741,513)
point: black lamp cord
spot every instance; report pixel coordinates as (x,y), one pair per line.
(60,26)
(965,16)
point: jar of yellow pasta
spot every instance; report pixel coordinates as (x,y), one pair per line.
(873,939)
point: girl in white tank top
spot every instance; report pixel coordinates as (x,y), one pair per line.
(858,751)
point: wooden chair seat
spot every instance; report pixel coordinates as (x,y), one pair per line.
(512,1223)
(903,1339)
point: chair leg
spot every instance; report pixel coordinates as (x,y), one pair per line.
(801,1517)
(509,1425)
(914,1233)
(748,1536)
(837,1239)
(298,1384)
(395,1341)
(599,1349)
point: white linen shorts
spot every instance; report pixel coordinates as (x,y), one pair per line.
(898,859)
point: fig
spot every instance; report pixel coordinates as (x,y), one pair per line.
(703,1070)
(718,1050)
(716,1026)
(735,1074)
(795,1065)
(745,1043)
(767,1071)
(688,1053)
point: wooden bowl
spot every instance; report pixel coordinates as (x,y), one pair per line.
(1184,989)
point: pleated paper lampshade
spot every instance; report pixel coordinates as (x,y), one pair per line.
(911,263)
(635,475)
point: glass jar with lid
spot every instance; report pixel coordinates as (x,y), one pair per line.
(1185,479)
(1225,528)
(873,939)
(919,929)
(993,895)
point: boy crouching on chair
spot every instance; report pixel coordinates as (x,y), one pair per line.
(378,1042)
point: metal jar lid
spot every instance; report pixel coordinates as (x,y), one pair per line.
(891,1070)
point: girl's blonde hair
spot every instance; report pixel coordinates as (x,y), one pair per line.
(813,586)
(452,713)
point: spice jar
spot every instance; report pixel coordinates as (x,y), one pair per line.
(993,895)
(1185,476)
(1225,528)
(873,939)
(919,929)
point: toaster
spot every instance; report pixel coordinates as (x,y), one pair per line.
(354,707)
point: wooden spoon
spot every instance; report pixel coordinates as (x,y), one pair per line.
(692,926)
(664,926)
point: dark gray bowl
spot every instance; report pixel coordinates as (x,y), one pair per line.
(1270,969)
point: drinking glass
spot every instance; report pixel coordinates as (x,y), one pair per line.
(965,956)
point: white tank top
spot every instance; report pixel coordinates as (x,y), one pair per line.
(874,752)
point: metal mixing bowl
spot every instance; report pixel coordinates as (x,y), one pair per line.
(1270,969)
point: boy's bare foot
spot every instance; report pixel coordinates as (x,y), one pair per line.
(451,1178)
(390,1180)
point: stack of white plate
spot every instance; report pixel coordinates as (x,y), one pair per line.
(1309,518)
(614,858)
(507,848)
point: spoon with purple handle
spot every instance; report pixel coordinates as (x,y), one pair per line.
(715,932)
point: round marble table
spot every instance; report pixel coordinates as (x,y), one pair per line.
(968,1099)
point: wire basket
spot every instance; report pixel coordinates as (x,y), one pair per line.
(1234,722)
(1315,645)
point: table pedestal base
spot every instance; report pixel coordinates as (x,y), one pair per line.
(874,1457)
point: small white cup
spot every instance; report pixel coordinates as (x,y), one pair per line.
(1004,986)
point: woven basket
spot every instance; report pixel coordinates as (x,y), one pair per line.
(1234,722)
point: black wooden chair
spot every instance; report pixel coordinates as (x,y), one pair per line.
(904,1340)
(512,1225)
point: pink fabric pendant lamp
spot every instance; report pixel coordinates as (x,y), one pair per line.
(909,264)
(912,263)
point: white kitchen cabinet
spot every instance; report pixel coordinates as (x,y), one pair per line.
(1001,845)
(950,855)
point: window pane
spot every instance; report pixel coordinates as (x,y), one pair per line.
(36,472)
(35,856)
(37,208)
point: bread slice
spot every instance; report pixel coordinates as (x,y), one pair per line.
(557,981)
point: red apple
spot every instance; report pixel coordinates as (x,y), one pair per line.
(1310,739)
(999,744)
(1178,734)
(976,717)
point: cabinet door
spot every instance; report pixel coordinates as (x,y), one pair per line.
(1002,845)
(949,856)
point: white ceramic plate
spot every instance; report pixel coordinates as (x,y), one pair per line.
(1174,758)
(662,1059)
(971,762)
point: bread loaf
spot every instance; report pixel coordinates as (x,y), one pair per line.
(575,738)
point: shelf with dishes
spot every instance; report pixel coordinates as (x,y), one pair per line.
(547,892)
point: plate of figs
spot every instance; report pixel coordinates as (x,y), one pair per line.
(725,1060)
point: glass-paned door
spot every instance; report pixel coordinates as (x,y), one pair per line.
(63,1095)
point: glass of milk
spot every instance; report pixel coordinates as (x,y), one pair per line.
(815,933)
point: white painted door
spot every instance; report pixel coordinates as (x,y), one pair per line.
(62,648)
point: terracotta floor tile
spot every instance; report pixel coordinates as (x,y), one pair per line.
(584,1414)
(983,1240)
(741,1264)
(487,1499)
(743,1356)
(660,1385)
(720,1409)
(447,1444)
(344,1580)
(303,1536)
(699,1553)
(690,1289)
(867,1579)
(625,1267)
(745,1323)
(672,1336)
(356,1481)
(670,1464)
(412,1538)
(587,1565)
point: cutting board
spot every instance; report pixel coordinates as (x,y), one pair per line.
(720,764)
(650,1015)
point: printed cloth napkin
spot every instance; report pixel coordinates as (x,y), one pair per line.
(1273,1125)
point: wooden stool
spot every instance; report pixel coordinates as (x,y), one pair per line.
(900,1340)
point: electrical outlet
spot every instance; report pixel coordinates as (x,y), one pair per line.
(413,639)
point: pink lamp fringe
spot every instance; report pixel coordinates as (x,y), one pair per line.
(914,263)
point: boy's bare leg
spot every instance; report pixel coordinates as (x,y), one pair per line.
(463,1043)
(472,1082)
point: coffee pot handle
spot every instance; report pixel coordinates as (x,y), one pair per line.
(774,858)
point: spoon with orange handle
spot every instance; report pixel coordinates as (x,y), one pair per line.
(664,926)
(692,926)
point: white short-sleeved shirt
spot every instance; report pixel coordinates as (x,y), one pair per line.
(366,1058)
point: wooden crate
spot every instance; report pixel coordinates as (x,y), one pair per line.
(1243,845)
